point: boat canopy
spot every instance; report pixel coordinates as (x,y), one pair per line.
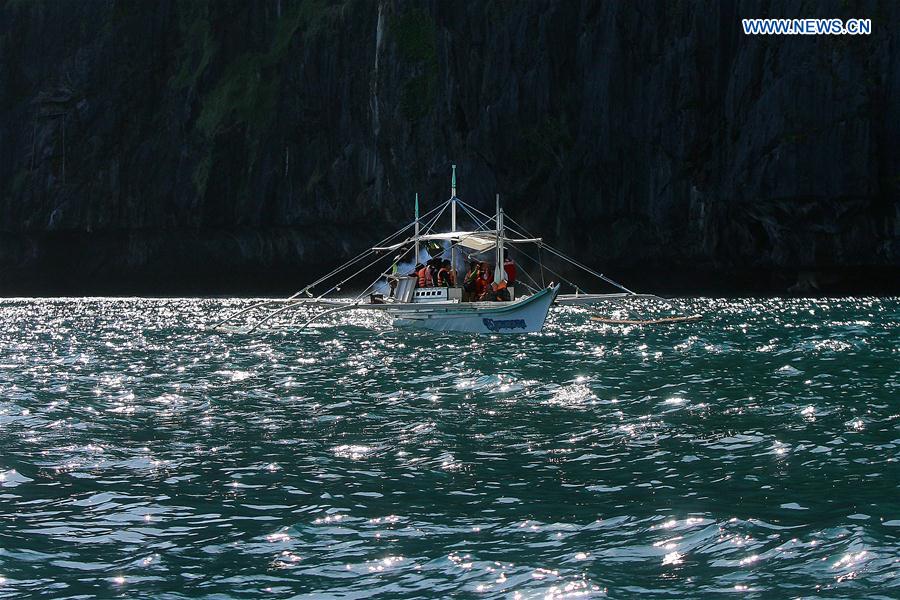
(480,241)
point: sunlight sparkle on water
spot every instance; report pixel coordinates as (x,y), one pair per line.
(686,460)
(673,558)
(353,451)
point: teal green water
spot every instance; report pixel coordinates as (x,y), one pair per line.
(754,453)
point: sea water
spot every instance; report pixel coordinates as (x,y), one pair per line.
(754,453)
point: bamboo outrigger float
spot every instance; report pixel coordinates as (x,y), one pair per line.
(398,296)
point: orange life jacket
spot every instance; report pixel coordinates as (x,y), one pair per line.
(443,275)
(422,277)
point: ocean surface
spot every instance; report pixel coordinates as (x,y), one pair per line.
(753,454)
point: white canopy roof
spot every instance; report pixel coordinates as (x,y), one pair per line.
(479,241)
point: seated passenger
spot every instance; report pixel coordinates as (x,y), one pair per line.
(443,275)
(498,293)
(470,283)
(502,293)
(422,275)
(433,267)
(451,273)
(482,285)
(487,272)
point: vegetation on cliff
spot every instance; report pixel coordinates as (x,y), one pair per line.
(260,139)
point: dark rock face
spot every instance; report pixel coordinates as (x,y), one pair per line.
(171,146)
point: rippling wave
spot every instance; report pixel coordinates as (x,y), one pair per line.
(756,452)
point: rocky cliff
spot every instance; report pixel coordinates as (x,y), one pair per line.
(191,146)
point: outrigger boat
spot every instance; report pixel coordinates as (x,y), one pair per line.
(398,296)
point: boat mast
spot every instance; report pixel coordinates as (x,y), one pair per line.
(453,198)
(498,270)
(416,258)
(453,216)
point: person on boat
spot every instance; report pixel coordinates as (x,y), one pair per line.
(487,273)
(483,282)
(423,276)
(503,291)
(434,265)
(498,293)
(486,278)
(470,282)
(394,277)
(509,267)
(451,272)
(445,275)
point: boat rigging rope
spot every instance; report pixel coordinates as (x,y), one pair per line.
(342,282)
(384,274)
(571,260)
(478,222)
(427,227)
(327,276)
(430,218)
(431,223)
(538,261)
(552,272)
(591,271)
(290,305)
(440,210)
(522,271)
(366,253)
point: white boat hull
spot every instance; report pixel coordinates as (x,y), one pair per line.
(526,315)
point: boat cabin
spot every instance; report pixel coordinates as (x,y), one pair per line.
(437,294)
(407,292)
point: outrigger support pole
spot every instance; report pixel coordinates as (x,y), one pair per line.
(284,308)
(270,315)
(328,312)
(293,298)
(337,285)
(221,322)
